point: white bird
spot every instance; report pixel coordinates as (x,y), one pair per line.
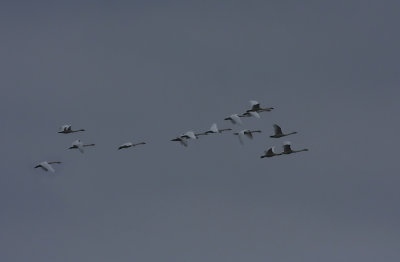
(130,144)
(251,114)
(77,144)
(278,132)
(183,138)
(255,107)
(46,166)
(235,119)
(189,135)
(270,153)
(245,132)
(288,150)
(214,130)
(67,129)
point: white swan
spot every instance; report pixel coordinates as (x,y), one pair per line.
(130,144)
(46,166)
(235,119)
(278,132)
(288,150)
(189,135)
(255,107)
(67,129)
(270,153)
(77,144)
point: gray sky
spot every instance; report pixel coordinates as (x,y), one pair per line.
(135,70)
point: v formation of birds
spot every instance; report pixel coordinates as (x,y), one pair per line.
(184,138)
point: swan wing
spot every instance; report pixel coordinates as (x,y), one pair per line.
(255,105)
(65,127)
(214,128)
(80,148)
(277,130)
(255,114)
(286,147)
(190,134)
(183,142)
(236,119)
(47,167)
(241,136)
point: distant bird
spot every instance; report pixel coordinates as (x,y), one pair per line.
(255,107)
(235,119)
(181,140)
(46,166)
(278,132)
(250,114)
(214,130)
(67,129)
(270,153)
(245,132)
(130,144)
(288,150)
(189,135)
(77,144)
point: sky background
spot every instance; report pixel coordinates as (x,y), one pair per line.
(150,70)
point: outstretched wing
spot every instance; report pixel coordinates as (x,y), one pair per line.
(277,130)
(255,114)
(190,134)
(241,137)
(236,119)
(47,167)
(214,128)
(184,142)
(286,147)
(269,152)
(255,105)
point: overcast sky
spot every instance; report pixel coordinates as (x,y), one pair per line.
(150,70)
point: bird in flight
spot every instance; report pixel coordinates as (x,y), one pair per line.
(235,119)
(67,129)
(46,166)
(77,144)
(278,132)
(288,150)
(270,153)
(130,144)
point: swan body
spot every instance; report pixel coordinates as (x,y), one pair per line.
(288,150)
(255,107)
(130,144)
(270,153)
(46,166)
(278,132)
(77,144)
(67,129)
(235,119)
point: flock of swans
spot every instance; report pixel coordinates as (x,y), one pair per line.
(184,138)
